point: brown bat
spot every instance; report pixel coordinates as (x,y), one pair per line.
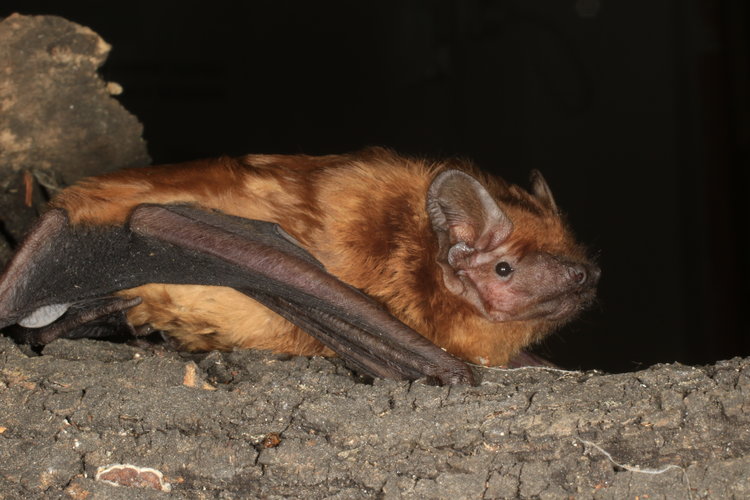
(478,267)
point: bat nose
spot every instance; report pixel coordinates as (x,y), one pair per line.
(583,275)
(578,274)
(596,272)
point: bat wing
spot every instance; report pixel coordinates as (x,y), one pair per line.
(61,265)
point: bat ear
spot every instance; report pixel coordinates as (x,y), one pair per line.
(541,191)
(463,210)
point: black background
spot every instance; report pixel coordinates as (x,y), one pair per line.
(637,112)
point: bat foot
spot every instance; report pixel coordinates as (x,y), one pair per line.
(143,330)
(97,318)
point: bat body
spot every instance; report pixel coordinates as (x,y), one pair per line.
(478,267)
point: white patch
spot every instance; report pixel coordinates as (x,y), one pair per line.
(132,475)
(44,316)
(483,361)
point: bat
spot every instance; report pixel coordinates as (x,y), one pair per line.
(404,267)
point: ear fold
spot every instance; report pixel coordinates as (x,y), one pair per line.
(541,191)
(461,209)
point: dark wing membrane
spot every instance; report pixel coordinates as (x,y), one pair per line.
(178,244)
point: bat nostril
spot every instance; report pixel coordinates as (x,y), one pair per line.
(578,274)
(595,274)
(584,275)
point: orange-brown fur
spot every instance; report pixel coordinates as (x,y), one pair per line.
(362,215)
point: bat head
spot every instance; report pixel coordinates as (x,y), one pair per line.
(512,260)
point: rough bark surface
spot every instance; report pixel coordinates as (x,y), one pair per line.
(248,424)
(58,119)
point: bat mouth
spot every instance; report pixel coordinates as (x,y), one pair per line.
(568,303)
(560,307)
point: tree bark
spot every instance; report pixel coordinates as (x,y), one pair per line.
(249,424)
(58,119)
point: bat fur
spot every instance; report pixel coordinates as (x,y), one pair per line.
(430,254)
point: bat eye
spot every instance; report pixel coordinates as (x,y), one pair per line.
(503,269)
